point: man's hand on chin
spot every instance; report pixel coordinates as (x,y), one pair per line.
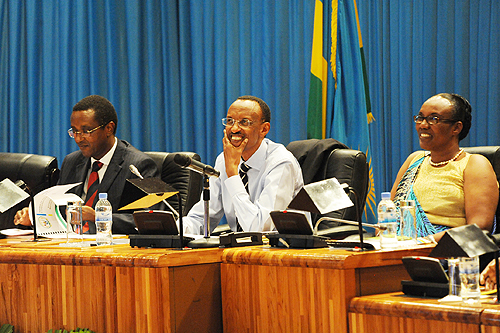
(232,155)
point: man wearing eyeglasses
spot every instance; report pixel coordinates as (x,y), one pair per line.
(101,164)
(257,175)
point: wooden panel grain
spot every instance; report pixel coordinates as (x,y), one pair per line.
(195,301)
(320,258)
(490,318)
(281,290)
(285,299)
(400,305)
(107,289)
(367,323)
(377,280)
(117,255)
(36,298)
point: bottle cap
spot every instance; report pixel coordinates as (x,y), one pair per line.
(386,195)
(103,196)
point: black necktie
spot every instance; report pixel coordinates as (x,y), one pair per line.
(244,178)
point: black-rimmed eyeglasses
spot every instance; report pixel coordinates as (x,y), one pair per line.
(432,120)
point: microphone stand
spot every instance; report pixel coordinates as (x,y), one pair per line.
(32,199)
(497,274)
(359,223)
(206,241)
(181,225)
(496,239)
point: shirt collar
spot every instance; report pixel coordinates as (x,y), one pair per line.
(106,159)
(258,159)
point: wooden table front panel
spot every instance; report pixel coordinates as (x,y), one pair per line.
(365,323)
(285,299)
(279,290)
(117,289)
(36,298)
(396,312)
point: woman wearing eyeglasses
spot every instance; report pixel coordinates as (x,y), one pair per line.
(450,187)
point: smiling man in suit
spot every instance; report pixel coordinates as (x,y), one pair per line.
(101,164)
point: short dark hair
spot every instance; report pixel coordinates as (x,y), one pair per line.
(266,111)
(462,111)
(104,111)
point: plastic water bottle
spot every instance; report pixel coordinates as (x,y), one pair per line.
(103,220)
(388,221)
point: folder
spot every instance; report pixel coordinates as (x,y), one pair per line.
(144,193)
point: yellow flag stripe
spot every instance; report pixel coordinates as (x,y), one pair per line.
(318,62)
(317,47)
(333,58)
(359,27)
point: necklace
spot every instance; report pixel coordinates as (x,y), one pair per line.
(445,162)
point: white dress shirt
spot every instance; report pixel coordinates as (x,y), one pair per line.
(274,179)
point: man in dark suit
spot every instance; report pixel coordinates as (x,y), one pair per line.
(93,126)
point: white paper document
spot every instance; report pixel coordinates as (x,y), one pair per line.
(49,221)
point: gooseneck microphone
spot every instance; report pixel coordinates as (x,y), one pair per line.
(136,172)
(187,162)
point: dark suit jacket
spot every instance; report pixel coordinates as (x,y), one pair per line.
(75,167)
(312,155)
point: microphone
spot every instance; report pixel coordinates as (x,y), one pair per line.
(22,185)
(187,162)
(136,172)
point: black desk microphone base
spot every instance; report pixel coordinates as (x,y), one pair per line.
(157,241)
(297,241)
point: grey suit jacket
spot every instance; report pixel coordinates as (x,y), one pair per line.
(75,167)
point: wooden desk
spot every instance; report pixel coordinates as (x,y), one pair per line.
(109,289)
(396,312)
(288,290)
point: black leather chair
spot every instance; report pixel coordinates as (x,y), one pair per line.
(492,153)
(39,172)
(324,159)
(187,182)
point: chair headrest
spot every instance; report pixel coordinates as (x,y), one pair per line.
(492,153)
(37,171)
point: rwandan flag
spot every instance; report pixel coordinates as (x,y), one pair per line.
(339,103)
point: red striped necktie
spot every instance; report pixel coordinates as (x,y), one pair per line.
(92,187)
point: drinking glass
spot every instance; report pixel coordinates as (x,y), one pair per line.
(74,221)
(408,227)
(469,278)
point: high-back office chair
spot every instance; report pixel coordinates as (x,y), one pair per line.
(492,153)
(39,172)
(187,182)
(324,159)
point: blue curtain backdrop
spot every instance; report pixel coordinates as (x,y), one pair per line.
(416,49)
(172,68)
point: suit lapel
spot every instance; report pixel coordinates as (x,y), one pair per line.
(114,168)
(81,171)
